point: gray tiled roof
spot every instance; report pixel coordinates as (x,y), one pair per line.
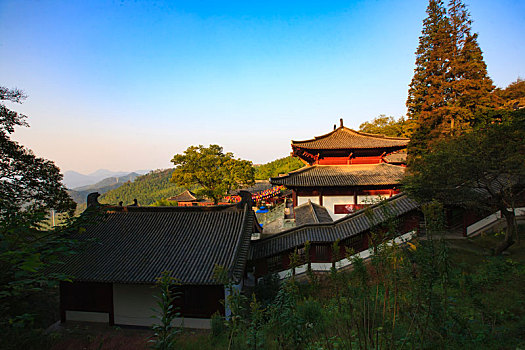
(259,186)
(345,138)
(397,157)
(311,213)
(135,244)
(341,229)
(342,175)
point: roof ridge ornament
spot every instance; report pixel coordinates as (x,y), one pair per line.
(92,199)
(341,121)
(246,198)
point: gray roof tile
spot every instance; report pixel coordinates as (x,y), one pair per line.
(342,175)
(311,213)
(341,229)
(345,138)
(135,244)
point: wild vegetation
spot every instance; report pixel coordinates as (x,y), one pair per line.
(276,167)
(427,295)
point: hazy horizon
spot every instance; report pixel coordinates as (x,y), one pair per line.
(128,84)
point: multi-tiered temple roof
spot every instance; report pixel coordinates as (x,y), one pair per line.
(347,146)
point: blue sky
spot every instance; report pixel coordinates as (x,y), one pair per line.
(125,85)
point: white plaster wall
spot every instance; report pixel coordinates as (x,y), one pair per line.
(133,304)
(330,201)
(368,199)
(87,316)
(490,219)
(304,199)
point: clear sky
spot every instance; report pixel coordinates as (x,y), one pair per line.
(125,85)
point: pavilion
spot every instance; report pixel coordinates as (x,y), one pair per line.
(345,170)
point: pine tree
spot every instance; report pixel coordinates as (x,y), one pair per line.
(429,92)
(471,86)
(451,85)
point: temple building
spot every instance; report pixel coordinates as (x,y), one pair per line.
(345,170)
(126,248)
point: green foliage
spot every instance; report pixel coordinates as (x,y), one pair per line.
(215,172)
(276,167)
(479,170)
(267,288)
(29,188)
(164,203)
(513,96)
(147,189)
(284,320)
(164,332)
(28,184)
(388,126)
(218,327)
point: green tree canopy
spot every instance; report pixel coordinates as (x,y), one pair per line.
(29,188)
(28,184)
(276,167)
(388,126)
(216,173)
(483,169)
(513,96)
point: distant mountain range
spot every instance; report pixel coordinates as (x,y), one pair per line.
(73,179)
(79,194)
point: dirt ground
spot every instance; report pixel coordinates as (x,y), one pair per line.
(91,336)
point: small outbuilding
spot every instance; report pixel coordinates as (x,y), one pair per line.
(128,248)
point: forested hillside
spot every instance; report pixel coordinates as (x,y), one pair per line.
(147,189)
(276,167)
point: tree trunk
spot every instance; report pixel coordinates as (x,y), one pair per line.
(510,233)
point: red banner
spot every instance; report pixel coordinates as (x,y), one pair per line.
(347,208)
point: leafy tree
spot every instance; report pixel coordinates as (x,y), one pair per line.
(513,96)
(388,126)
(29,188)
(215,172)
(276,167)
(482,170)
(28,184)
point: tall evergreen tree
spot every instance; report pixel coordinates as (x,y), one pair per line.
(429,91)
(450,84)
(470,84)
